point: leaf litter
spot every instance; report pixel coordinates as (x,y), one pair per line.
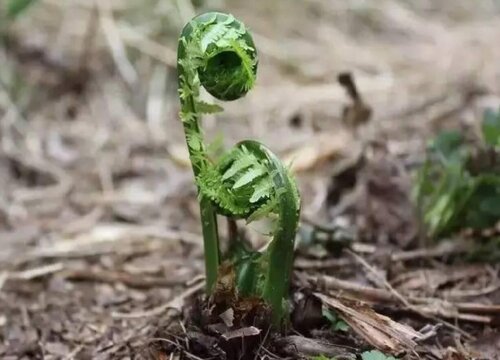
(101,252)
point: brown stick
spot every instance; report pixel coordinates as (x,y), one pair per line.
(107,276)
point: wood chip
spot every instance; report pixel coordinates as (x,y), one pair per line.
(378,330)
(228,317)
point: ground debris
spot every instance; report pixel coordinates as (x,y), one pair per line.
(293,344)
(101,252)
(378,330)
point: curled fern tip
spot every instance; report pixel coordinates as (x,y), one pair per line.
(216,51)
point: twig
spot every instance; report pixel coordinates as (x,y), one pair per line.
(444,249)
(73,353)
(101,240)
(115,42)
(178,346)
(37,272)
(368,293)
(108,276)
(262,343)
(371,294)
(458,294)
(380,279)
(478,308)
(329,263)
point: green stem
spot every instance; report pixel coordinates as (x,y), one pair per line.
(207,212)
(210,243)
(280,251)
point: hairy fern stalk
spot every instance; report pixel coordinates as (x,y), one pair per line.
(249,182)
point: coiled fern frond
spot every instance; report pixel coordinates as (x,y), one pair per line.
(216,51)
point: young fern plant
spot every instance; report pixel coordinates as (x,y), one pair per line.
(249,182)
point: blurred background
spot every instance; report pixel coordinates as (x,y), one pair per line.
(88,101)
(89,105)
(94,171)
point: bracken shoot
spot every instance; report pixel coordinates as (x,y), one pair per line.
(249,182)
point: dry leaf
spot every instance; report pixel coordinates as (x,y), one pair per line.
(378,330)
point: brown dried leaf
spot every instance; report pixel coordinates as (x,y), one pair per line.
(378,330)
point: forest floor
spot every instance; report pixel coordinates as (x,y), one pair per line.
(101,251)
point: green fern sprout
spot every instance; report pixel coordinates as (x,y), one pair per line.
(217,52)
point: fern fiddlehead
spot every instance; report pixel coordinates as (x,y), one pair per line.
(217,52)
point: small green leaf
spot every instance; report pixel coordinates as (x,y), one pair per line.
(337,324)
(341,325)
(491,127)
(376,355)
(249,175)
(448,145)
(261,190)
(206,108)
(321,357)
(194,142)
(214,33)
(242,162)
(17,7)
(216,147)
(263,210)
(329,314)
